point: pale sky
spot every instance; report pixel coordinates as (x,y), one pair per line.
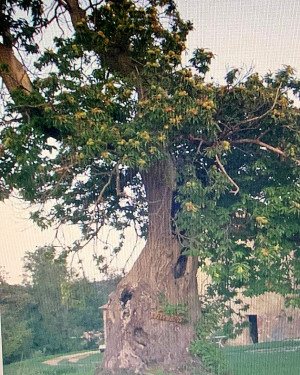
(264,34)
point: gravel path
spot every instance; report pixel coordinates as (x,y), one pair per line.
(73,358)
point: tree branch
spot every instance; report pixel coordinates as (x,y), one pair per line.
(256,141)
(237,189)
(260,116)
(77,14)
(118,185)
(99,199)
(260,143)
(265,145)
(12,72)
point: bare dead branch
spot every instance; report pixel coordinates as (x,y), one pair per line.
(100,197)
(256,141)
(252,119)
(237,189)
(260,143)
(277,150)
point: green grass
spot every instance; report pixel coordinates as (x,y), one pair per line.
(35,366)
(276,358)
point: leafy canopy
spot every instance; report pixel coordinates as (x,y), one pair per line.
(113,98)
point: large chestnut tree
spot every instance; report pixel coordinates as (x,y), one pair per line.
(109,127)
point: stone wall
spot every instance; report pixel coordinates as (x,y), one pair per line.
(275,322)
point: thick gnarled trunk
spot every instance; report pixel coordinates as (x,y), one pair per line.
(136,338)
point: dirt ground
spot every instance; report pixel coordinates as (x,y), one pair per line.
(73,358)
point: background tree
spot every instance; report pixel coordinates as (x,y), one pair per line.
(214,168)
(49,316)
(94,295)
(16,333)
(51,313)
(61,306)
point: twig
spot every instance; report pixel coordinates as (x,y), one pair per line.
(260,116)
(237,189)
(263,134)
(199,147)
(99,199)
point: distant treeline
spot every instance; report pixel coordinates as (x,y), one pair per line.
(53,311)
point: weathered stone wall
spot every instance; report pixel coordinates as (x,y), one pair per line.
(275,322)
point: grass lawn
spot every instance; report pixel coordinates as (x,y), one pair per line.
(35,366)
(276,358)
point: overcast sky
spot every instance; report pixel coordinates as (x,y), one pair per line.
(264,34)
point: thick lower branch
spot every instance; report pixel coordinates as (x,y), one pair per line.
(12,71)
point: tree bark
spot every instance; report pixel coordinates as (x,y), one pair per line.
(12,71)
(77,14)
(137,338)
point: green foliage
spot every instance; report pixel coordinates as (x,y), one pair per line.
(22,26)
(16,333)
(88,317)
(178,309)
(48,313)
(61,307)
(17,338)
(210,354)
(112,99)
(51,313)
(166,308)
(218,318)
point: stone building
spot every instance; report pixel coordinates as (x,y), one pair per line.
(269,319)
